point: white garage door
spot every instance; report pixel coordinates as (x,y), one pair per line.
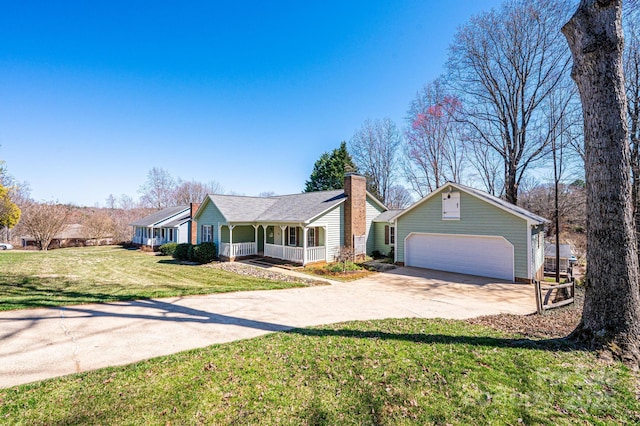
(466,254)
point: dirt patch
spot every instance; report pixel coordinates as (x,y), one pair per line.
(554,323)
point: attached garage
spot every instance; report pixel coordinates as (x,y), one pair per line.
(486,256)
(461,229)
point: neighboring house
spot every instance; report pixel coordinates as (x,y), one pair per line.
(72,235)
(566,257)
(461,229)
(172,224)
(302,228)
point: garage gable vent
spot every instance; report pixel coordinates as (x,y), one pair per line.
(450,205)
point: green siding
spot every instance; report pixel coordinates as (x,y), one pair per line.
(210,216)
(379,238)
(241,234)
(333,220)
(477,217)
(373,210)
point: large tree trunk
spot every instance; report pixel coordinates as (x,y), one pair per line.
(611,315)
(510,184)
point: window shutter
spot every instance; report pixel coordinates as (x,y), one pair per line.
(386,234)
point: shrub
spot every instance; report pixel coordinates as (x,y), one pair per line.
(168,249)
(377,255)
(191,253)
(182,251)
(204,252)
(343,266)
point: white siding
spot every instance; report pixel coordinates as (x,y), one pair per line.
(373,210)
(183,233)
(333,220)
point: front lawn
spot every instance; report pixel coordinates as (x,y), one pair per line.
(107,274)
(410,371)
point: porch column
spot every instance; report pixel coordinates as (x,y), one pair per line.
(231,251)
(255,238)
(219,240)
(264,234)
(282,228)
(304,245)
(325,238)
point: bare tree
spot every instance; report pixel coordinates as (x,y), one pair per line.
(267,194)
(434,149)
(487,165)
(611,314)
(374,148)
(504,64)
(571,203)
(398,197)
(98,225)
(158,190)
(194,192)
(632,86)
(44,220)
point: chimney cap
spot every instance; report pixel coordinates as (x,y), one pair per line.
(353,174)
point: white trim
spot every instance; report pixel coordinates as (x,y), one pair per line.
(529,264)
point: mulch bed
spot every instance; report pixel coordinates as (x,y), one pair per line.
(257,272)
(554,323)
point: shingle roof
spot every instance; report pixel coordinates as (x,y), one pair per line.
(281,208)
(388,215)
(302,207)
(159,216)
(179,220)
(565,251)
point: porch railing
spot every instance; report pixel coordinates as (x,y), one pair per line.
(294,254)
(315,254)
(238,249)
(272,250)
(149,241)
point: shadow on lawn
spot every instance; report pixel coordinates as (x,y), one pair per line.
(25,292)
(555,345)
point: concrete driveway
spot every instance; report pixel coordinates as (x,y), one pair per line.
(41,343)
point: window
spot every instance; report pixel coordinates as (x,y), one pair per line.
(450,205)
(170,234)
(389,235)
(312,240)
(207,233)
(292,235)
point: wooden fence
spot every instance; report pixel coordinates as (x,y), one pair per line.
(543,303)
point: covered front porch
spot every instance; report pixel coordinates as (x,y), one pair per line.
(292,242)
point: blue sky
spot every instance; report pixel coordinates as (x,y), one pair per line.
(249,94)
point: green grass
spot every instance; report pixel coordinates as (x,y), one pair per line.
(380,372)
(108,274)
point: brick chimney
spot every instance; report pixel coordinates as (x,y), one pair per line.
(193,237)
(355,207)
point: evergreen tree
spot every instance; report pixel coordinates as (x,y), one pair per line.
(329,170)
